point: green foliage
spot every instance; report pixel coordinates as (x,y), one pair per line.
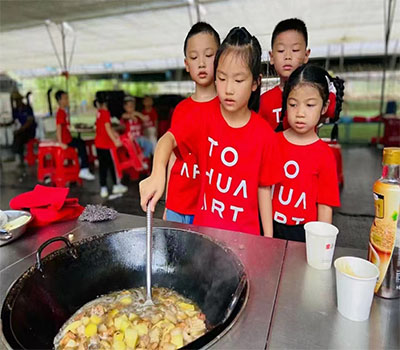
(81,91)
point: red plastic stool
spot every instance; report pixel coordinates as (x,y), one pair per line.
(91,150)
(66,167)
(30,155)
(46,161)
(337,152)
(127,159)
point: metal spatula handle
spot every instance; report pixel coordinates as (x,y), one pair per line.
(149,250)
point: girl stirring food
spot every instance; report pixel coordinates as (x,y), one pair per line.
(234,146)
(310,188)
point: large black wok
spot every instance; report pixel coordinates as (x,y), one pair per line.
(192,264)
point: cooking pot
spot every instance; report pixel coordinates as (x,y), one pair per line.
(194,265)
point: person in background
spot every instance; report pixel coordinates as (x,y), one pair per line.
(23,114)
(183,182)
(310,186)
(106,139)
(132,120)
(64,137)
(236,149)
(150,120)
(288,51)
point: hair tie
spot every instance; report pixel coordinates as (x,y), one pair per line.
(331,85)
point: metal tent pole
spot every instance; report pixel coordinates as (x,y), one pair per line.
(388,21)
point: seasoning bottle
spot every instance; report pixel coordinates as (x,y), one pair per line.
(384,241)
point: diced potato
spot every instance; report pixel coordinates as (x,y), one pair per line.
(118,336)
(119,345)
(155,335)
(126,300)
(168,346)
(186,306)
(176,331)
(170,316)
(110,322)
(73,326)
(105,345)
(90,330)
(131,337)
(113,312)
(141,329)
(191,313)
(177,340)
(95,319)
(132,316)
(81,330)
(173,298)
(121,322)
(156,318)
(85,320)
(102,328)
(124,325)
(165,325)
(181,316)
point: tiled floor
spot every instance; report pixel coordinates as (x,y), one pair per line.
(362,166)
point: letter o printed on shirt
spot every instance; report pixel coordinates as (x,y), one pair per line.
(296,172)
(235,156)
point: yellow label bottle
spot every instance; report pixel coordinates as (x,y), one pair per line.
(384,242)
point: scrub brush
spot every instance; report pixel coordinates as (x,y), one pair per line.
(97,212)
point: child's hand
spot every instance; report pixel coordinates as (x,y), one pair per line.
(117,142)
(63,146)
(152,189)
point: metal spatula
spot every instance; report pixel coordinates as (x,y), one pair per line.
(149,254)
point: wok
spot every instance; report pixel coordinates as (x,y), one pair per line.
(47,294)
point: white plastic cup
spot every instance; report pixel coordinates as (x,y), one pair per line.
(355,290)
(320,244)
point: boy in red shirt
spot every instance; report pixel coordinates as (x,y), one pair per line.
(310,187)
(64,135)
(106,139)
(201,44)
(288,51)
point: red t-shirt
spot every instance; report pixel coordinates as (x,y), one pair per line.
(233,163)
(271,107)
(63,120)
(151,121)
(133,128)
(184,181)
(102,140)
(310,178)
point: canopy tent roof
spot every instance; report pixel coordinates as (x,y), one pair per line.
(137,36)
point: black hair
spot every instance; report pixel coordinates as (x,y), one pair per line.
(59,94)
(248,46)
(101,98)
(290,24)
(201,27)
(317,77)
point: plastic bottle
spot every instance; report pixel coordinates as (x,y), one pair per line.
(384,242)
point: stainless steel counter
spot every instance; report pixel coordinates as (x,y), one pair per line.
(303,308)
(262,258)
(306,317)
